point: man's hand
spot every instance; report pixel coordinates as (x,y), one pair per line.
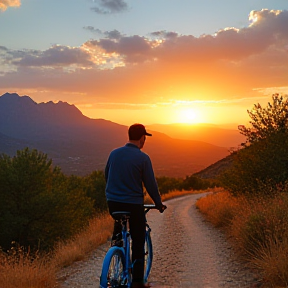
(162,207)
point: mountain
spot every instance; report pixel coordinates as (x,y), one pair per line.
(214,170)
(79,144)
(213,134)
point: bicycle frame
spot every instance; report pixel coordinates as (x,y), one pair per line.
(123,256)
(126,247)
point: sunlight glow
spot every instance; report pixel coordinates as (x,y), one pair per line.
(189,115)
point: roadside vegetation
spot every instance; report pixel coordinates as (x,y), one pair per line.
(22,269)
(253,209)
(257,227)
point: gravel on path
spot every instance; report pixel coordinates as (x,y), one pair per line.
(188,252)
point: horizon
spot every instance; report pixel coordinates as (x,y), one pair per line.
(188,62)
(228,125)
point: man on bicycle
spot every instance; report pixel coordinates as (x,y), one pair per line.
(127,170)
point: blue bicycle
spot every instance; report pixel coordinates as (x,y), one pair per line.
(117,264)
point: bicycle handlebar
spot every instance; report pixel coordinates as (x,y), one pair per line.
(148,207)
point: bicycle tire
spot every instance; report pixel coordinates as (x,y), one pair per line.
(148,255)
(112,274)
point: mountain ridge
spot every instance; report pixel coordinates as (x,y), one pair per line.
(80,145)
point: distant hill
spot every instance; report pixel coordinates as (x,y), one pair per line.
(79,144)
(214,170)
(209,133)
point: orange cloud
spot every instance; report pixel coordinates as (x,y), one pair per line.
(4,4)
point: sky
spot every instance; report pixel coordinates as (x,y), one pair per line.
(147,61)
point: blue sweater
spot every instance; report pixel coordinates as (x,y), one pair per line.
(127,169)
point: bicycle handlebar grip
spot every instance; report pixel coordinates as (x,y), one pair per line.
(162,208)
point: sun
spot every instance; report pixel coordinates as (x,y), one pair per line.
(189,115)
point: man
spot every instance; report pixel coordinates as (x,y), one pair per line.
(127,169)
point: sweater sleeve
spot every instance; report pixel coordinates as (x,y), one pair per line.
(150,182)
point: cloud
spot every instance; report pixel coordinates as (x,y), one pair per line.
(110,6)
(93,30)
(232,64)
(228,44)
(134,49)
(56,56)
(4,4)
(114,34)
(164,34)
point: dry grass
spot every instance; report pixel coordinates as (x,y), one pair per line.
(21,270)
(258,227)
(218,208)
(97,233)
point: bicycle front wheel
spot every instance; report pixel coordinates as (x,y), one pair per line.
(148,255)
(112,275)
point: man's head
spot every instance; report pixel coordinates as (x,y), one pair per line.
(138,133)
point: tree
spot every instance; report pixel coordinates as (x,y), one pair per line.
(259,168)
(195,183)
(37,207)
(94,187)
(167,184)
(267,121)
(262,164)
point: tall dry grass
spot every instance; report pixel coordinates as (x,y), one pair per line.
(19,269)
(75,249)
(219,208)
(258,227)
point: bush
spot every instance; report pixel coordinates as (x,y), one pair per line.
(37,207)
(167,184)
(264,159)
(196,183)
(263,163)
(94,187)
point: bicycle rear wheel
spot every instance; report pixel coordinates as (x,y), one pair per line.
(148,255)
(112,275)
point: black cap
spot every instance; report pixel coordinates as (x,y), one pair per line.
(136,131)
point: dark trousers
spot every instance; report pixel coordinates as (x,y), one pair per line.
(137,224)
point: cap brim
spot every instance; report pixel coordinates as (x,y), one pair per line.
(148,134)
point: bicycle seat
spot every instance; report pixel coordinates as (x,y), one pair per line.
(118,215)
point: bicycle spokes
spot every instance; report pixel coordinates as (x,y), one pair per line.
(115,274)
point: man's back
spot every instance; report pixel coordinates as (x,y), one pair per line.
(126,169)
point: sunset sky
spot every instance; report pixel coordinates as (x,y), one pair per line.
(149,61)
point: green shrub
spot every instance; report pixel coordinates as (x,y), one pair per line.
(37,208)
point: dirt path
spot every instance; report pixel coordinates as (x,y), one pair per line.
(188,252)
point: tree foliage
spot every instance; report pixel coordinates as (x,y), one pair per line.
(268,121)
(167,184)
(263,162)
(37,207)
(94,187)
